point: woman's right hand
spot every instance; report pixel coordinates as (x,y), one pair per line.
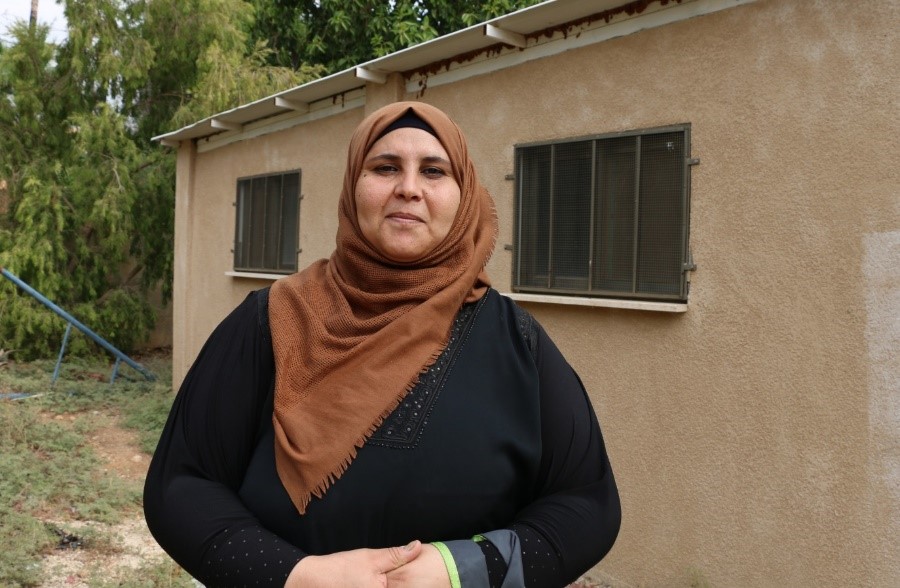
(359,568)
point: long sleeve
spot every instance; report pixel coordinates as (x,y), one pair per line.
(578,513)
(190,495)
(575,518)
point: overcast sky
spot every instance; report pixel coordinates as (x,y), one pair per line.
(49,13)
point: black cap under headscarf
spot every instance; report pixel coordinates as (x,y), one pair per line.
(409,119)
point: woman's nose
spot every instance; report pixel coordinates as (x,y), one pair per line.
(409,186)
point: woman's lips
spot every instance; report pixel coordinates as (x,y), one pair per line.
(404,216)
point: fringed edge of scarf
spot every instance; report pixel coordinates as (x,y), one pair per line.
(302,501)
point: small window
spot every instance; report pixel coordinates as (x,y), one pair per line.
(268,220)
(604,216)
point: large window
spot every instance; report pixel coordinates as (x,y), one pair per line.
(604,216)
(268,217)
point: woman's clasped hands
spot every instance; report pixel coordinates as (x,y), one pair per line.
(413,565)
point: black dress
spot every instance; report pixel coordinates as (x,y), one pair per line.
(498,434)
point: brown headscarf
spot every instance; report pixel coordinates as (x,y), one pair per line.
(352,333)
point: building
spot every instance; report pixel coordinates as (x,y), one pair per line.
(699,201)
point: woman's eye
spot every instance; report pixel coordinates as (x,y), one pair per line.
(385,169)
(433,172)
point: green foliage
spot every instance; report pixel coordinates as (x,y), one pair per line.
(22,538)
(147,415)
(224,79)
(338,34)
(49,472)
(155,574)
(46,467)
(86,199)
(71,169)
(203,63)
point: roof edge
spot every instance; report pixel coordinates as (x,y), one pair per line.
(521,30)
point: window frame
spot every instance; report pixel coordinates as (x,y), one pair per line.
(241,247)
(684,262)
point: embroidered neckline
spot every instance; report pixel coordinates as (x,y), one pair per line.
(403,428)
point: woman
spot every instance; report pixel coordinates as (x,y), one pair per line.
(386,397)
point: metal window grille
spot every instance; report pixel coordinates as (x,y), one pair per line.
(604,216)
(268,220)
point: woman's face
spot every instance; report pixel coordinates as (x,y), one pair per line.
(406,195)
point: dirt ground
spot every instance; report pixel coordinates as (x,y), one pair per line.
(131,545)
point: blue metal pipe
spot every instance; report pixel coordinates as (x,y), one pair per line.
(78,325)
(62,352)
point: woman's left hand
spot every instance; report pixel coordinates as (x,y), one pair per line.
(426,571)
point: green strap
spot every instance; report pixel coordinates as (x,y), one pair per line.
(450,563)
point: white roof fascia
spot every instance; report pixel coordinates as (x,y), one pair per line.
(572,39)
(533,18)
(286,119)
(515,27)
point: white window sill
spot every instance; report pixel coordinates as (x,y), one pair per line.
(538,298)
(255,275)
(599,302)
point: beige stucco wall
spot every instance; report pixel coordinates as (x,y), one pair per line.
(756,437)
(205,211)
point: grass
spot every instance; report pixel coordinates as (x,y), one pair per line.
(49,471)
(154,574)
